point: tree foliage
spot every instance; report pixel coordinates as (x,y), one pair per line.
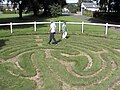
(48,3)
(36,5)
(72,8)
(55,10)
(110,5)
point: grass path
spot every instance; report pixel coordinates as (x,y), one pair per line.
(72,66)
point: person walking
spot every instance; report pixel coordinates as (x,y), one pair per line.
(52,31)
(64,30)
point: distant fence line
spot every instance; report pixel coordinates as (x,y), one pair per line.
(59,25)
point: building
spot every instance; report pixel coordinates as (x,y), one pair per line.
(89,5)
(71,1)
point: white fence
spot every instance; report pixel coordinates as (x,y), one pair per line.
(59,24)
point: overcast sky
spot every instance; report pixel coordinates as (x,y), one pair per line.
(68,1)
(71,1)
(5,2)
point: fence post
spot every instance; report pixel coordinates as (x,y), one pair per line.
(35,26)
(11,27)
(59,26)
(106,29)
(82,27)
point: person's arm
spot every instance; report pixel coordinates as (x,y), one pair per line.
(63,28)
(50,28)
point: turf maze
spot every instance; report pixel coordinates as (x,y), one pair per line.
(88,63)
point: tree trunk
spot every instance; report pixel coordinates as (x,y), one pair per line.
(46,10)
(20,9)
(35,12)
(35,6)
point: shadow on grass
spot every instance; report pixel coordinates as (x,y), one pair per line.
(67,37)
(34,33)
(107,20)
(2,42)
(96,20)
(59,40)
(27,18)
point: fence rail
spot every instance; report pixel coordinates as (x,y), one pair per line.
(59,24)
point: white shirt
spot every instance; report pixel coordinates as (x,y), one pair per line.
(64,28)
(52,27)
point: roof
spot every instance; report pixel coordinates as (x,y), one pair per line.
(72,1)
(90,5)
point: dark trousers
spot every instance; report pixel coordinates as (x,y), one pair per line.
(52,37)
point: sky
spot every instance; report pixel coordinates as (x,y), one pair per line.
(68,1)
(71,1)
(5,2)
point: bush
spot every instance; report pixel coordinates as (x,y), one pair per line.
(9,12)
(72,8)
(88,13)
(95,14)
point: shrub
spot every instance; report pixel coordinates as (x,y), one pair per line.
(88,13)
(72,8)
(9,12)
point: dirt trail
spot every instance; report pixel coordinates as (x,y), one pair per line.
(48,53)
(115,84)
(117,50)
(89,65)
(69,67)
(15,60)
(38,40)
(65,86)
(37,78)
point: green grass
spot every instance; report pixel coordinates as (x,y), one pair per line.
(28,63)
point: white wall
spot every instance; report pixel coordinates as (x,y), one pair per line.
(71,1)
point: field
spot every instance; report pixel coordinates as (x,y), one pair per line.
(83,61)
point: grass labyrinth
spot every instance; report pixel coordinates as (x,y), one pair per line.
(80,62)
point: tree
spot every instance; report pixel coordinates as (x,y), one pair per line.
(35,5)
(20,9)
(55,10)
(1,0)
(79,4)
(1,8)
(48,3)
(117,6)
(112,5)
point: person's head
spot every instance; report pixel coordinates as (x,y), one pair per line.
(64,22)
(51,21)
(20,2)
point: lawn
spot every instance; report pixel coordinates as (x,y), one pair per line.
(83,61)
